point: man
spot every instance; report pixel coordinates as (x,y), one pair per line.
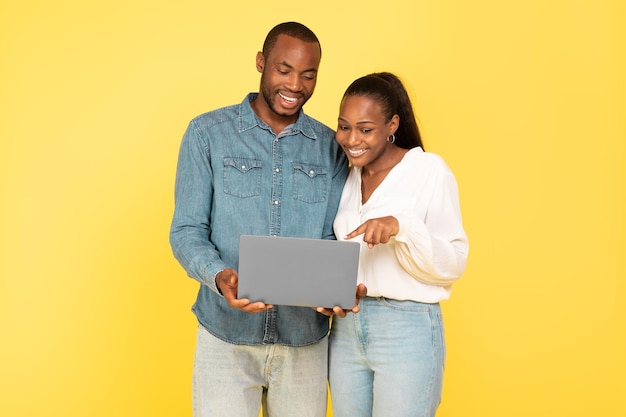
(261,167)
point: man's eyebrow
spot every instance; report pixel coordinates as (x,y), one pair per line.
(288,65)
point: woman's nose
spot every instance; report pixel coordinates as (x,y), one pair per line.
(352,138)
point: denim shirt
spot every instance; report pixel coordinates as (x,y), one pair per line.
(236,176)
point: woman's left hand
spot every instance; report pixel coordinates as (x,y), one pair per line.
(375,231)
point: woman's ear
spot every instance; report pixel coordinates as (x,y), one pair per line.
(393,124)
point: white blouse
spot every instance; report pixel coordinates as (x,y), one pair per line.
(430,251)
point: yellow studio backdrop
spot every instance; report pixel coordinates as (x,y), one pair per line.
(526,101)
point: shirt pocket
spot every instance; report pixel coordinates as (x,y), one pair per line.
(310,182)
(242,176)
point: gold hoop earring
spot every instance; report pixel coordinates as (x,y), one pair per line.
(391,139)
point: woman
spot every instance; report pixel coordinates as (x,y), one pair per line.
(402,202)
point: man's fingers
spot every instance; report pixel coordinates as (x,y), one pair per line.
(323,310)
(247,307)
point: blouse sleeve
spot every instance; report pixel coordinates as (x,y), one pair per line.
(433,249)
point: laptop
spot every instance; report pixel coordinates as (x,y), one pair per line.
(298,271)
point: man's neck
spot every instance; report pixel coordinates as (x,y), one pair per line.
(276,122)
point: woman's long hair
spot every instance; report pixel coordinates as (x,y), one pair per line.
(387,89)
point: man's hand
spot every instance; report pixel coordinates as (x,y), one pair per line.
(227,282)
(361,291)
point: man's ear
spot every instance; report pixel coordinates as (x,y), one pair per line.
(260,61)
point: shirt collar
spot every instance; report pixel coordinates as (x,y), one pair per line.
(248,120)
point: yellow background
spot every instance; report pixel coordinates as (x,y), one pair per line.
(526,101)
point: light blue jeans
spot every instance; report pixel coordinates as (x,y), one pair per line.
(234,380)
(387,360)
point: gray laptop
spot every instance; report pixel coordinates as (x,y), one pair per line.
(298,271)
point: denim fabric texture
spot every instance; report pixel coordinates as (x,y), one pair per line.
(236,176)
(387,360)
(231,380)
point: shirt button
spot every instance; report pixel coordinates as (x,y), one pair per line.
(275,202)
(243,167)
(311,172)
(277,170)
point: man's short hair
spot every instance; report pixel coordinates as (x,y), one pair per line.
(293,29)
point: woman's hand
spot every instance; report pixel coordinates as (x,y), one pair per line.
(376,231)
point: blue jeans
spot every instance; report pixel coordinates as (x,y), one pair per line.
(387,360)
(234,380)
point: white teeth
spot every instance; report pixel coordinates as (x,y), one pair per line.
(356,152)
(289,99)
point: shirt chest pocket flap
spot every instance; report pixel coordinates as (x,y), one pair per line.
(242,176)
(310,182)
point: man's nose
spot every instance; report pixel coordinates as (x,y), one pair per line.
(294,83)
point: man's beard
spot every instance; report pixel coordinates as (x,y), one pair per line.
(269,98)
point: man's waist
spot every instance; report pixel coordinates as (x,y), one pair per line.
(284,325)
